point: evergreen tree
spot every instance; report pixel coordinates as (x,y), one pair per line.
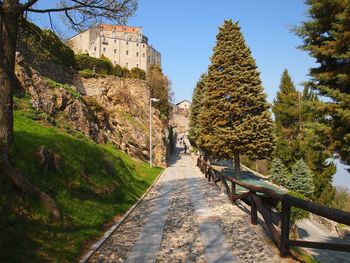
(302,132)
(286,106)
(196,108)
(326,38)
(160,89)
(301,179)
(279,172)
(287,110)
(235,118)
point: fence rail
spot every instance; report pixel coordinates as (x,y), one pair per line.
(256,202)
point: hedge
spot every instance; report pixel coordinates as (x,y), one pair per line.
(99,65)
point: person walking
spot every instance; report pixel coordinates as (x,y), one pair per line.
(185,146)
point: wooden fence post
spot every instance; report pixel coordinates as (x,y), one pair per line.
(233,191)
(285,226)
(253,210)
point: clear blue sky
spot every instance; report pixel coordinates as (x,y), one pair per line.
(185,31)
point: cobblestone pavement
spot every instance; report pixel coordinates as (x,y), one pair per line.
(182,240)
(120,243)
(248,242)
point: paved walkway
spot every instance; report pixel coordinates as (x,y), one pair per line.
(186,219)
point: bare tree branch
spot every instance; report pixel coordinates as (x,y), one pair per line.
(81,14)
(28,4)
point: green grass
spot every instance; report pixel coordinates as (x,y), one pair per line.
(71,89)
(115,181)
(133,120)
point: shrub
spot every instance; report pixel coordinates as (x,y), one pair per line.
(279,172)
(126,73)
(296,214)
(57,48)
(301,179)
(118,71)
(44,45)
(87,73)
(137,73)
(99,65)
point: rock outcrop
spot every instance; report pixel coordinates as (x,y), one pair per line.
(109,110)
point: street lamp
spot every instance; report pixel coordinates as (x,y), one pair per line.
(150,129)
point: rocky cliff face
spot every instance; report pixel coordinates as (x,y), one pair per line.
(109,109)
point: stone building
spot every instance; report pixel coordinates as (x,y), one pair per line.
(123,45)
(184,105)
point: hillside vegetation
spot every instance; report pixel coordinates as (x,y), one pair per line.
(91,183)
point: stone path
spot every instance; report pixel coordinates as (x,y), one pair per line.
(186,219)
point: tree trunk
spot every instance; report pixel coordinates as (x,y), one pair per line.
(237,163)
(9,19)
(10,14)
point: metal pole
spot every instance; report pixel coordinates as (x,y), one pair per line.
(150,133)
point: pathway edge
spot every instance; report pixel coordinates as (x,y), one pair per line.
(107,234)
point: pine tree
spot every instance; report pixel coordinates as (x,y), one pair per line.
(287,110)
(286,106)
(196,108)
(301,179)
(279,172)
(326,38)
(302,132)
(235,118)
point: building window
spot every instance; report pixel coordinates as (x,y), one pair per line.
(127,64)
(115,41)
(94,48)
(143,46)
(137,65)
(130,38)
(143,55)
(127,42)
(137,44)
(127,52)
(115,51)
(104,49)
(137,54)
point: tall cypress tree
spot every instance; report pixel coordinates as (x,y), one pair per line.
(326,38)
(196,108)
(304,133)
(235,118)
(287,110)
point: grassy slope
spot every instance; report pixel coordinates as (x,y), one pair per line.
(115,182)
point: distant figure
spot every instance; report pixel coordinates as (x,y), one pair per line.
(185,145)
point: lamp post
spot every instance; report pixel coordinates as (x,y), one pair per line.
(150,129)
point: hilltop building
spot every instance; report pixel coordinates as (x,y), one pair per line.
(123,45)
(184,105)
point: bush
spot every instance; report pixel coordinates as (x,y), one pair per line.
(279,173)
(57,48)
(99,65)
(44,45)
(126,73)
(137,73)
(301,180)
(296,214)
(87,73)
(118,71)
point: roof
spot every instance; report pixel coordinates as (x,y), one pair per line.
(129,29)
(183,101)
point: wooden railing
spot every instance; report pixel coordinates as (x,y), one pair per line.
(258,203)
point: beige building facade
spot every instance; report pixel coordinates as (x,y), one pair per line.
(123,45)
